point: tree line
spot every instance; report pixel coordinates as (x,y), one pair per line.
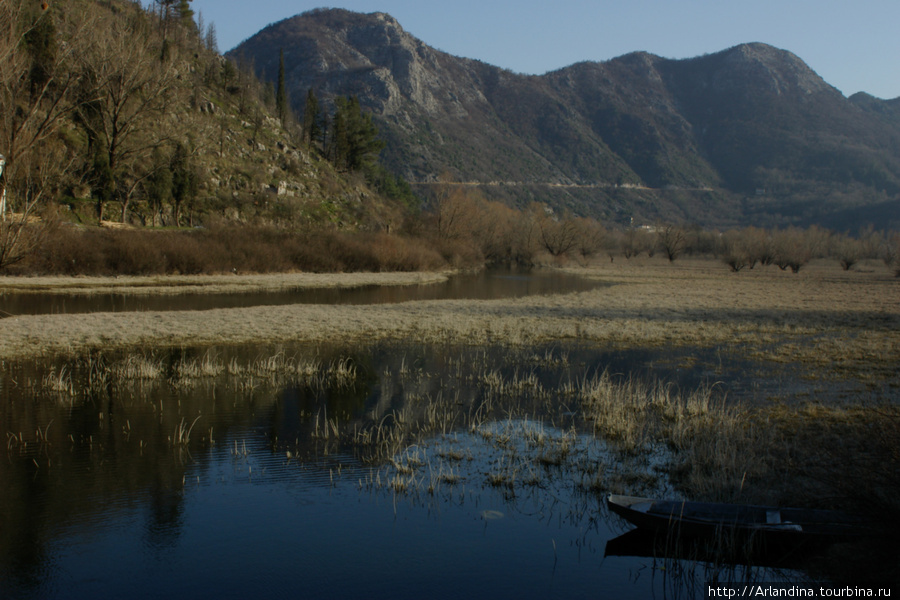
(464,224)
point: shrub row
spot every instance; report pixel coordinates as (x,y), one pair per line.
(95,251)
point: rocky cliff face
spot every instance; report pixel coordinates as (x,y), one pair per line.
(751,130)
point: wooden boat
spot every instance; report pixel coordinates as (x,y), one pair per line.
(774,524)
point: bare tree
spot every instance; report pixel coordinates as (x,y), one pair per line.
(673,239)
(847,250)
(890,253)
(129,87)
(746,247)
(591,237)
(455,210)
(636,240)
(556,236)
(794,248)
(505,234)
(35,97)
(733,250)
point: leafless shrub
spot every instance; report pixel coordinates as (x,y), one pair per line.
(636,241)
(794,248)
(673,239)
(100,251)
(746,247)
(848,251)
(890,253)
(555,235)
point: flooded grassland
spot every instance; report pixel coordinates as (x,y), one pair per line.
(821,315)
(476,436)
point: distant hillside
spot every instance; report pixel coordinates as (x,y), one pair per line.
(747,135)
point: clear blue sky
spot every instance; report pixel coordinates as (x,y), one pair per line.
(853,44)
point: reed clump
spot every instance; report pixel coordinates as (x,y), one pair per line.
(58,381)
(96,372)
(138,367)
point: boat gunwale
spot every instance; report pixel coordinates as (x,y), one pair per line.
(649,513)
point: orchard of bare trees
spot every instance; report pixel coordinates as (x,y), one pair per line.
(466,223)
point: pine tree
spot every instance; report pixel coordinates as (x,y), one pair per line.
(212,40)
(281,97)
(185,13)
(184,181)
(338,150)
(159,184)
(355,143)
(172,10)
(312,119)
(40,41)
(166,8)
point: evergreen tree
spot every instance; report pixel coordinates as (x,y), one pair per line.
(175,10)
(166,10)
(355,144)
(281,97)
(312,119)
(185,13)
(159,184)
(103,179)
(338,148)
(184,180)
(40,41)
(212,40)
(229,74)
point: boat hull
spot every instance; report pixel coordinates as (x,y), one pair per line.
(773,525)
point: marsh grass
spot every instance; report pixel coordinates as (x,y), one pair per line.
(609,432)
(96,372)
(182,435)
(635,413)
(537,422)
(186,371)
(138,367)
(58,381)
(605,433)
(852,317)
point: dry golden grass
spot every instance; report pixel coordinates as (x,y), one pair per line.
(823,315)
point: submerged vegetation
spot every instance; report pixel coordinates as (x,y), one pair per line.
(517,422)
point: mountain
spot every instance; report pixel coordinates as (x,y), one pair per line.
(747,135)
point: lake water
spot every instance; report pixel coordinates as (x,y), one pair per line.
(483,285)
(385,471)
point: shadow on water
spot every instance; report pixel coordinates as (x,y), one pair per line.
(484,285)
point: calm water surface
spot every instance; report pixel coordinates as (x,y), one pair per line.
(485,285)
(99,500)
(103,494)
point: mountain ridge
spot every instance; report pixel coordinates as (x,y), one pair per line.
(755,129)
